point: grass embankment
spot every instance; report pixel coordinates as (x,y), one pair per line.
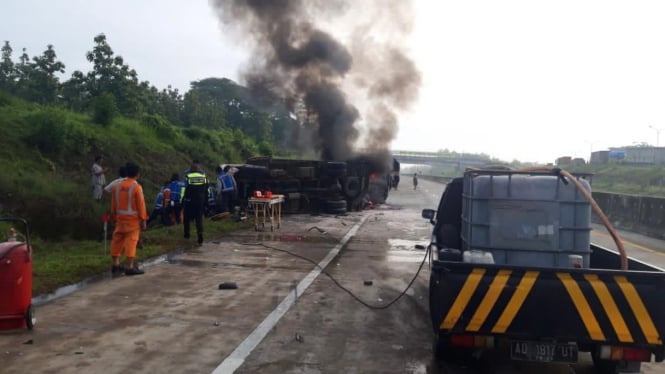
(57,264)
(46,156)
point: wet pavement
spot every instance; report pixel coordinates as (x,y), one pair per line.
(311,297)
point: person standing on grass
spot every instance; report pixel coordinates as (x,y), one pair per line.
(98,178)
(128,211)
(195,198)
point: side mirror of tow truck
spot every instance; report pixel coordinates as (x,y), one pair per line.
(429,214)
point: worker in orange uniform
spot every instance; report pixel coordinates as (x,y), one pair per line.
(129,213)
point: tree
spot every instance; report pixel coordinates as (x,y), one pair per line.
(111,75)
(75,91)
(24,72)
(44,86)
(7,72)
(200,110)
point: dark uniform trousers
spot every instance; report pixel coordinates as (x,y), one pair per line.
(195,197)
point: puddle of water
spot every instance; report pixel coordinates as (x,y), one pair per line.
(415,368)
(276,237)
(412,257)
(403,244)
(205,264)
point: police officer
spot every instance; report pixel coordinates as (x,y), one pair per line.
(195,197)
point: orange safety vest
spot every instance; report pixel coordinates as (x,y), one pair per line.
(127,201)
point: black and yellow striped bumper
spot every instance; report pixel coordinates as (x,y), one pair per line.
(580,305)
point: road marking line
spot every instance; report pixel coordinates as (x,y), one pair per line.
(646,249)
(238,356)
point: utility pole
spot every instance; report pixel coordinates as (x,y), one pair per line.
(657,134)
(590,143)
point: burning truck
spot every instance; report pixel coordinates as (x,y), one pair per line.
(331,187)
(328,85)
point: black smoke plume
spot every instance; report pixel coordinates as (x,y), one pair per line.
(319,78)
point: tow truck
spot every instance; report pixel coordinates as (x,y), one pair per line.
(513,272)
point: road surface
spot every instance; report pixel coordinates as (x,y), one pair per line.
(286,316)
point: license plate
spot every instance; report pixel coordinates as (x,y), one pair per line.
(543,352)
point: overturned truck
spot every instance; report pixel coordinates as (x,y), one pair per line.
(332,187)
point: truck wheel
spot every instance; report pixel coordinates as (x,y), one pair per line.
(335,204)
(604,366)
(444,352)
(352,187)
(30,319)
(439,348)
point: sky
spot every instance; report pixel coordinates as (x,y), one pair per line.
(517,80)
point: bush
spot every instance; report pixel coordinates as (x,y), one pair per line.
(105,109)
(5,99)
(160,125)
(79,139)
(265,149)
(50,131)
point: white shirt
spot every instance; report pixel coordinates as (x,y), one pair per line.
(98,177)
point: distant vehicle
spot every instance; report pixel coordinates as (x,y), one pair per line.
(514,272)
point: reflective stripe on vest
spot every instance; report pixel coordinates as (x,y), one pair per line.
(195,179)
(130,210)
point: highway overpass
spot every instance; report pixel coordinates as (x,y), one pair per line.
(440,159)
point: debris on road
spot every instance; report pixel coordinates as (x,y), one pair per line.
(318,229)
(228,286)
(368,283)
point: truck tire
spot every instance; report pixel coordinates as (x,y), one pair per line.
(335,204)
(604,366)
(439,348)
(352,187)
(336,207)
(442,351)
